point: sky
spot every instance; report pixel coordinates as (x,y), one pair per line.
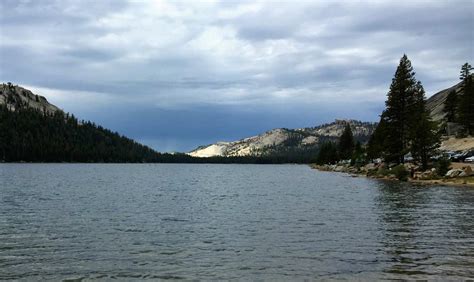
(178,74)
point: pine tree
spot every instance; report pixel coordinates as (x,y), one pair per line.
(450,106)
(375,144)
(358,155)
(424,139)
(346,143)
(466,100)
(396,116)
(405,125)
(327,153)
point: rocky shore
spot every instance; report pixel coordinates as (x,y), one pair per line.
(459,174)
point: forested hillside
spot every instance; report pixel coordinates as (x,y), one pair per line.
(27,134)
(33,130)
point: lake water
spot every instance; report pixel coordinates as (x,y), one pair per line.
(73,221)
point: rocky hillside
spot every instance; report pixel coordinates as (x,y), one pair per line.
(15,97)
(279,139)
(435,104)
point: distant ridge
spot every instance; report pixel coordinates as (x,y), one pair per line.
(281,139)
(278,140)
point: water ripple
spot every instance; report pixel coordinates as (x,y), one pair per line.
(221,222)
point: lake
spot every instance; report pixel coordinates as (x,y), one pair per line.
(125,221)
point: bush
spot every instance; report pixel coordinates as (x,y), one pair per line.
(400,172)
(442,165)
(382,171)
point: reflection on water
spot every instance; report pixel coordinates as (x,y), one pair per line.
(427,230)
(227,222)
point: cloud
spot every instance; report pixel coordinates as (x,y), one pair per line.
(318,59)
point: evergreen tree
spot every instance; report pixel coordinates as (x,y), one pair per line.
(405,125)
(424,139)
(466,100)
(396,116)
(375,144)
(327,153)
(450,106)
(346,143)
(358,156)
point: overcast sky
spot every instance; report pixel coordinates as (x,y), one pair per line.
(178,74)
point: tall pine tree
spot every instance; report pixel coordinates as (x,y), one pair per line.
(396,116)
(405,125)
(466,100)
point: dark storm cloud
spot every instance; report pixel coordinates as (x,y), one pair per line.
(178,73)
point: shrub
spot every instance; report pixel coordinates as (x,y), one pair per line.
(400,172)
(442,165)
(382,171)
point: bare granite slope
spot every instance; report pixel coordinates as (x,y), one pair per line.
(435,104)
(15,96)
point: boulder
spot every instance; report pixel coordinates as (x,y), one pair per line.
(418,175)
(370,166)
(339,168)
(423,175)
(468,170)
(454,172)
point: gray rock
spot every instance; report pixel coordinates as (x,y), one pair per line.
(14,96)
(339,168)
(454,172)
(370,166)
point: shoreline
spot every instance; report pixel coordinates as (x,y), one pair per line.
(466,182)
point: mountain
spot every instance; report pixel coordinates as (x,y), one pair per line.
(33,130)
(15,97)
(435,104)
(281,140)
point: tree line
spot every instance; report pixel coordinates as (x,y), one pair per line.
(33,135)
(405,126)
(347,148)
